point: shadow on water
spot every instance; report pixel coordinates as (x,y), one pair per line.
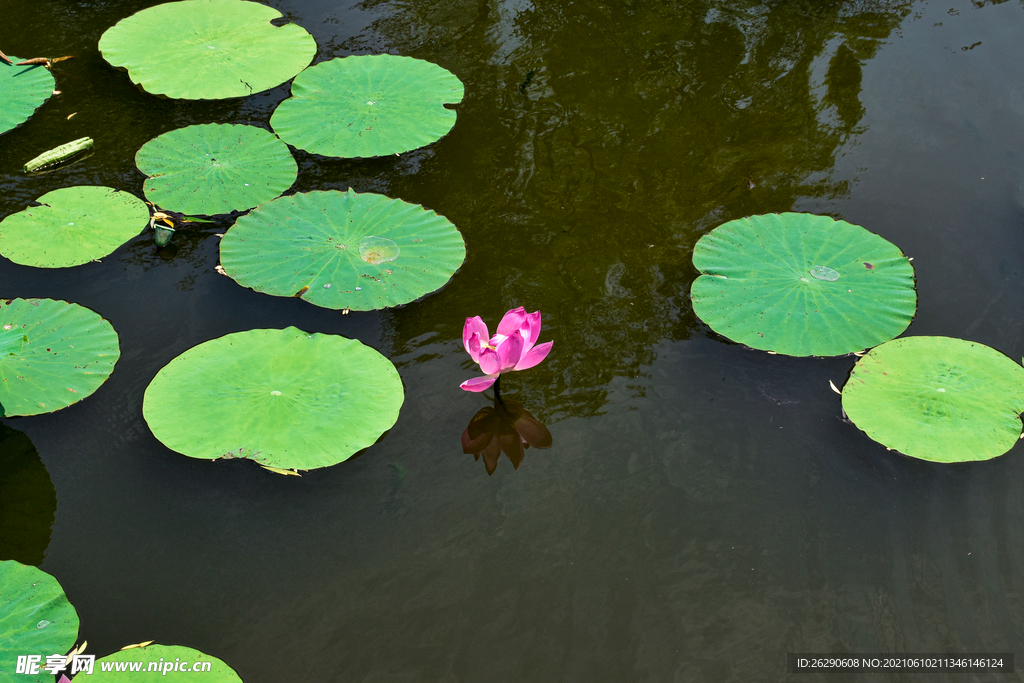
(28,500)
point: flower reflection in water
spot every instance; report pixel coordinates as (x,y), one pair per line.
(508,428)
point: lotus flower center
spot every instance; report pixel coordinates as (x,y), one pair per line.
(495,341)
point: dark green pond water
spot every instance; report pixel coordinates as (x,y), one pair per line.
(704,509)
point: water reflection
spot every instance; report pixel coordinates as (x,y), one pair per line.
(28,500)
(599,140)
(506,427)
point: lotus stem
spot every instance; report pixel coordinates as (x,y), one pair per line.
(497,390)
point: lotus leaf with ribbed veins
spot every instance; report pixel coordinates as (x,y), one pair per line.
(23,89)
(368,106)
(937,398)
(52,354)
(35,619)
(72,226)
(340,250)
(283,398)
(802,285)
(207,49)
(214,169)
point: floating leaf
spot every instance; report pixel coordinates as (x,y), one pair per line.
(343,250)
(283,398)
(170,664)
(28,500)
(212,169)
(58,154)
(35,619)
(368,106)
(207,49)
(802,285)
(52,354)
(72,226)
(937,398)
(23,89)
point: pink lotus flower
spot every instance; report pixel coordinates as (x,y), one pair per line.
(512,348)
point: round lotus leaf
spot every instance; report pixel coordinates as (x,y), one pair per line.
(368,106)
(72,226)
(52,354)
(207,49)
(171,664)
(283,398)
(802,285)
(35,619)
(212,169)
(343,250)
(937,398)
(23,89)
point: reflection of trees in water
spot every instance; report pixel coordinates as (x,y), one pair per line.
(600,140)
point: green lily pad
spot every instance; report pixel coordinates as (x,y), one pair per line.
(368,106)
(343,250)
(207,49)
(52,354)
(936,398)
(72,226)
(35,619)
(283,398)
(28,500)
(23,89)
(212,169)
(802,285)
(182,664)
